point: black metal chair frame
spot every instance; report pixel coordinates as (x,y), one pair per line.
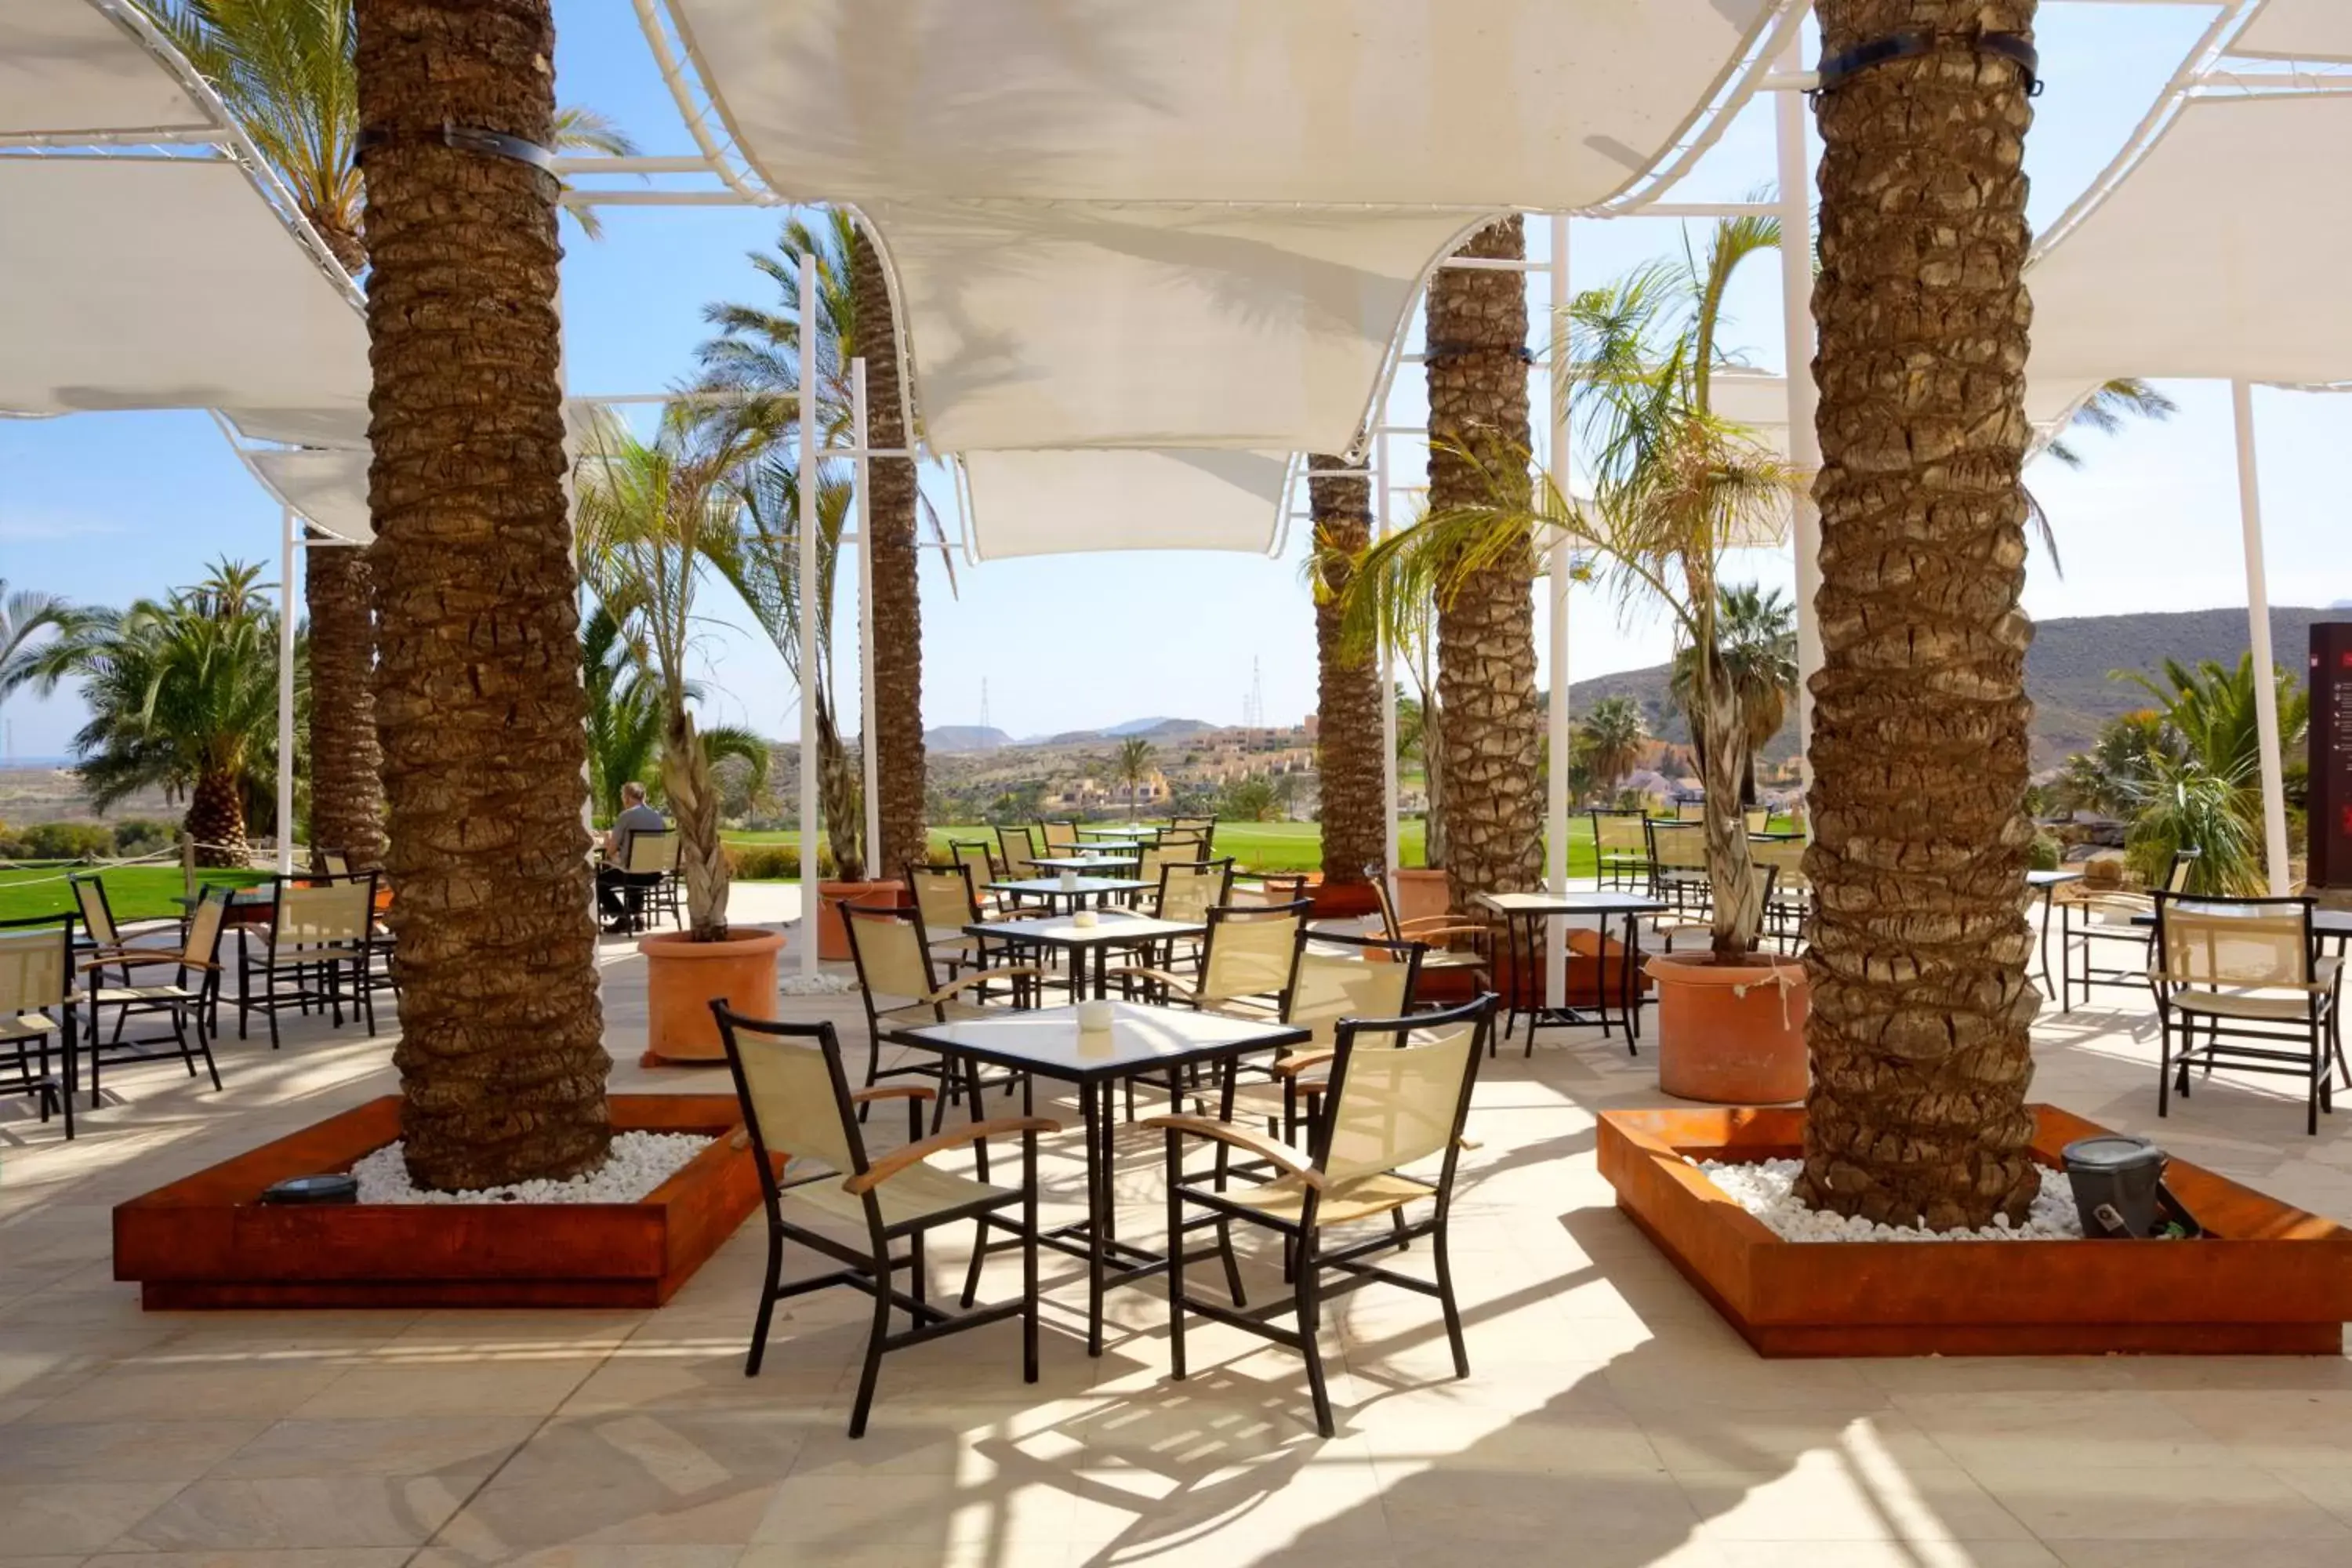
(50,1094)
(1615,867)
(955,1083)
(2134,939)
(1288,1064)
(873,1269)
(317,982)
(1672,883)
(2320,1031)
(194,998)
(1307,1261)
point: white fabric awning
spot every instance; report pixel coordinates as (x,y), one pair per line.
(329,489)
(2220,256)
(1126,223)
(166,283)
(65,70)
(2298,30)
(1042,503)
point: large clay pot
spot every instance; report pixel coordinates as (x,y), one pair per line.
(682,975)
(1342,900)
(1731,1034)
(831,931)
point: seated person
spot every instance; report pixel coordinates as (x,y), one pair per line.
(635,817)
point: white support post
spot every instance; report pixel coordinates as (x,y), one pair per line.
(1391,840)
(806,586)
(1804,441)
(1555,795)
(2258,636)
(862,519)
(287,552)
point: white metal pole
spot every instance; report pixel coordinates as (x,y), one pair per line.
(809,480)
(1555,801)
(1390,839)
(286,552)
(1804,441)
(2258,636)
(862,522)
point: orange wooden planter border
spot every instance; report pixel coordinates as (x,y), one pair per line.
(2271,1279)
(207,1241)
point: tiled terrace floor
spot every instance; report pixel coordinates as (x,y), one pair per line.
(1612,1420)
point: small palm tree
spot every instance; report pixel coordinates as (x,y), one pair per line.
(1757,633)
(2207,756)
(182,694)
(25,615)
(2109,407)
(1610,740)
(1134,765)
(624,717)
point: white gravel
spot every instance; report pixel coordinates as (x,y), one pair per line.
(821,984)
(1765,1188)
(640,1162)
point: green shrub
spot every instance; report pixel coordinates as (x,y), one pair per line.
(145,836)
(774,862)
(59,841)
(2042,854)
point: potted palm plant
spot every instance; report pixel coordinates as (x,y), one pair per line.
(648,510)
(1675,486)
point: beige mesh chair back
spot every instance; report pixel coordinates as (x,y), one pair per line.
(325,914)
(887,947)
(1184,843)
(944,894)
(204,926)
(1678,846)
(1250,952)
(977,859)
(1061,838)
(1188,889)
(1341,976)
(1786,856)
(96,915)
(1690,811)
(651,853)
(334,863)
(1399,1093)
(1620,833)
(2235,945)
(31,971)
(795,1097)
(1019,846)
(2240,983)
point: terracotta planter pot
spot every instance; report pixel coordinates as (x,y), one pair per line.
(1422,892)
(1731,1034)
(831,931)
(681,978)
(1344,900)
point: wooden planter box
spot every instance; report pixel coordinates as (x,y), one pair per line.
(208,1241)
(2270,1280)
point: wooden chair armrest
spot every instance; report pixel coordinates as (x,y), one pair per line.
(1282,1156)
(111,961)
(2314,988)
(893,1092)
(914,1154)
(982,976)
(1176,983)
(1292,1066)
(1422,932)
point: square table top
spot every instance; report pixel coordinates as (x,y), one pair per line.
(1592,902)
(1142,1039)
(1080,862)
(1111,929)
(1082,885)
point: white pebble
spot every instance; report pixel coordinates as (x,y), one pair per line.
(1767,1189)
(822,984)
(639,1163)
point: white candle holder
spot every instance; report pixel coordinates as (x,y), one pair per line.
(1095,1015)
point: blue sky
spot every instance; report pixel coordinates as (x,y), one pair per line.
(106,506)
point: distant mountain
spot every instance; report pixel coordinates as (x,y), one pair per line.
(2066,673)
(951,738)
(1156,727)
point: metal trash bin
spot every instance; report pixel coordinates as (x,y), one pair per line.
(2117,1179)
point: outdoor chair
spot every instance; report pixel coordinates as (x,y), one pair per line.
(1247,954)
(1061,838)
(900,986)
(1678,862)
(979,859)
(1455,968)
(333,863)
(949,901)
(1397,1094)
(1185,842)
(1792,903)
(797,1104)
(1699,920)
(1758,818)
(2115,919)
(668,895)
(2246,974)
(195,986)
(1335,976)
(1203,828)
(1020,846)
(96,913)
(648,860)
(1690,810)
(1621,848)
(36,1008)
(318,951)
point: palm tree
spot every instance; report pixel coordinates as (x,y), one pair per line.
(182,695)
(758,353)
(1610,739)
(284,70)
(1477,341)
(25,615)
(2108,409)
(1134,766)
(478,696)
(1920,1005)
(2202,788)
(1347,678)
(625,718)
(1756,631)
(645,510)
(1675,486)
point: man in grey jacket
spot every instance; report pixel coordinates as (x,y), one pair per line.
(635,817)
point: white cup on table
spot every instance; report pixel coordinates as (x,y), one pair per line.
(1095,1015)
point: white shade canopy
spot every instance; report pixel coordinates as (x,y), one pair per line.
(2298,30)
(329,488)
(168,282)
(2219,255)
(1042,503)
(67,69)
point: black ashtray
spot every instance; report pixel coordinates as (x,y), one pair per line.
(303,1190)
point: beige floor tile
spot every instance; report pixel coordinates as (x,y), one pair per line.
(1885,1554)
(2268,1551)
(52,1518)
(2125,1428)
(2214,1504)
(682,1453)
(667,1556)
(137,1451)
(249,1557)
(236,1515)
(511,1520)
(1840,1496)
(138,1392)
(490,1387)
(447,1445)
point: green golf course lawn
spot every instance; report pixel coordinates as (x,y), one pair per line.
(132,892)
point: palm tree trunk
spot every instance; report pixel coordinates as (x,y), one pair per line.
(1731,877)
(346,761)
(1477,347)
(215,820)
(891,502)
(479,698)
(1920,1005)
(694,801)
(1348,687)
(837,799)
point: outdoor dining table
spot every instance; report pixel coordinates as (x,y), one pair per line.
(1530,912)
(1080,889)
(2047,883)
(1112,931)
(1143,1041)
(1120,834)
(1105,862)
